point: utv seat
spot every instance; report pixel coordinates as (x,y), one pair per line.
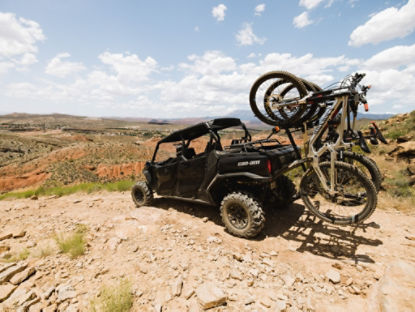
(213,146)
(189,153)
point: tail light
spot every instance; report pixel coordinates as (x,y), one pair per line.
(269,166)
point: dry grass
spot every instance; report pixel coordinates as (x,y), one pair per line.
(44,251)
(15,257)
(72,243)
(114,298)
(387,201)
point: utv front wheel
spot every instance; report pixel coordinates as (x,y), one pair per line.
(142,194)
(242,215)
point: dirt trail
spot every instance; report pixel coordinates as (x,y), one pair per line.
(299,264)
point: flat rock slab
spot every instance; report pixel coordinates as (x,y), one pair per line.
(396,292)
(210,295)
(6,266)
(22,276)
(65,292)
(4,248)
(6,290)
(4,236)
(6,275)
(12,233)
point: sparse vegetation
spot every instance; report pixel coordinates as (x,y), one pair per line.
(44,251)
(73,242)
(399,185)
(118,186)
(19,256)
(114,298)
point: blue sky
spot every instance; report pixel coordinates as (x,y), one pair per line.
(196,58)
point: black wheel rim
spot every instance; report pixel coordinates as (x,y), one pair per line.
(237,216)
(138,195)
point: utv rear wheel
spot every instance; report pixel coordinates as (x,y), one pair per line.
(242,215)
(286,190)
(142,194)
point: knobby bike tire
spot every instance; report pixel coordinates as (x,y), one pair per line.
(309,109)
(310,187)
(369,164)
(287,78)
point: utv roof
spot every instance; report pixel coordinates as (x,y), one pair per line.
(200,129)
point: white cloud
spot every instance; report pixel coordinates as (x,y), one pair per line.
(211,63)
(211,83)
(246,36)
(18,39)
(259,9)
(61,68)
(129,68)
(5,66)
(196,29)
(393,57)
(218,12)
(388,24)
(310,4)
(302,20)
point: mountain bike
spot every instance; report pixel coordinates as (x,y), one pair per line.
(334,190)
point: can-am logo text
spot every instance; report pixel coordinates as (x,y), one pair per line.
(249,163)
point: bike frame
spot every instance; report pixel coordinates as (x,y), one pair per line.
(341,103)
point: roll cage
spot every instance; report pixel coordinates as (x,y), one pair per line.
(211,127)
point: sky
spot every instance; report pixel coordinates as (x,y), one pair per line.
(183,58)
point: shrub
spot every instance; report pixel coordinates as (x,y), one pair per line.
(115,298)
(72,243)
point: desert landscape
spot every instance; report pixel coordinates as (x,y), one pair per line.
(93,250)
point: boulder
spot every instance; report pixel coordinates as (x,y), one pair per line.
(210,295)
(404,151)
(333,276)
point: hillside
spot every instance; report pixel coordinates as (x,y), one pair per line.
(85,252)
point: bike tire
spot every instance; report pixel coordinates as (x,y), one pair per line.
(313,194)
(319,111)
(366,165)
(256,99)
(309,110)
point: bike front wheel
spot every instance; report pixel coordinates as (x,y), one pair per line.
(355,195)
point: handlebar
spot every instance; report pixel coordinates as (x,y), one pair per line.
(356,79)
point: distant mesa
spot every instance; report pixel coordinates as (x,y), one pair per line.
(158,122)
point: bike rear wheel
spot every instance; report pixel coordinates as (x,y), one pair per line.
(355,198)
(284,112)
(366,165)
(266,91)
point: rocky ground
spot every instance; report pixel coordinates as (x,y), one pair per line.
(178,257)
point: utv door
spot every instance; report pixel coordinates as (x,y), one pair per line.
(166,178)
(190,175)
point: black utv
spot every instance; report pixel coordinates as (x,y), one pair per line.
(238,178)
